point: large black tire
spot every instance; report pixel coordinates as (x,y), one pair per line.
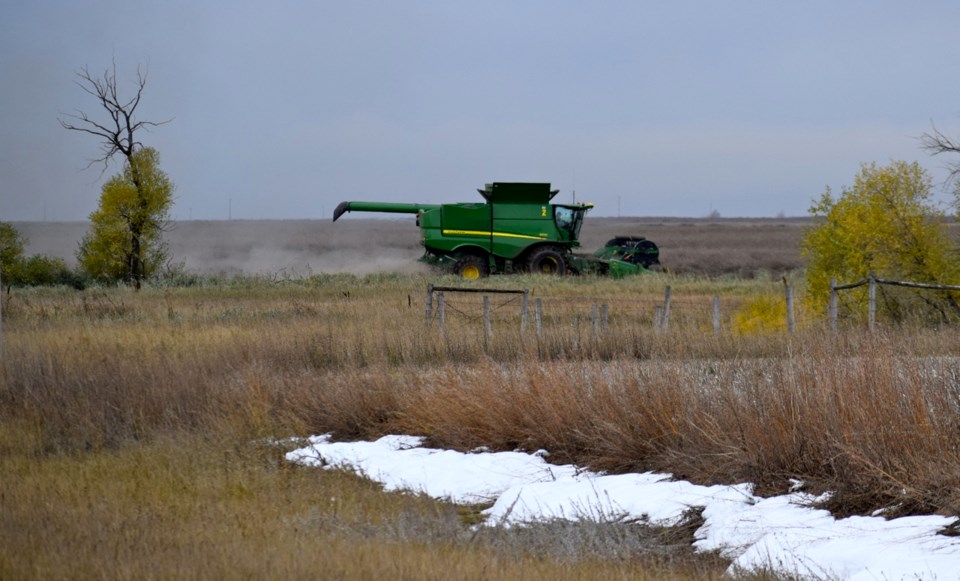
(647,254)
(547,260)
(472,267)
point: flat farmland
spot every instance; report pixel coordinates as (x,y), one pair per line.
(142,434)
(742,247)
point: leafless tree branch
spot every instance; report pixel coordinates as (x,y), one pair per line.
(117,135)
(936,142)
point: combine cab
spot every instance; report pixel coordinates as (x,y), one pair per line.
(516,229)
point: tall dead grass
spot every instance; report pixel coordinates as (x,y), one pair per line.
(876,426)
(873,418)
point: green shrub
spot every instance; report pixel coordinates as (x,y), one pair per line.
(11,252)
(42,270)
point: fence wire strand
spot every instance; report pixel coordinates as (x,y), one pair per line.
(699,310)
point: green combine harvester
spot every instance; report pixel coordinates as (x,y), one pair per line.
(516,230)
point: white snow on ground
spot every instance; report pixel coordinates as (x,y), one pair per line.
(401,464)
(780,532)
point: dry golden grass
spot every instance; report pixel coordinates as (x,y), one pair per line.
(187,507)
(126,419)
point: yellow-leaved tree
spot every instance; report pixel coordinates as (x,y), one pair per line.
(888,225)
(11,251)
(125,237)
(124,240)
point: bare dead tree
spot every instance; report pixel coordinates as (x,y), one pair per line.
(118,135)
(936,143)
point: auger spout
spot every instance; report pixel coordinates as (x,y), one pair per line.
(388,207)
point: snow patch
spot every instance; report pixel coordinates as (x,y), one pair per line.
(783,533)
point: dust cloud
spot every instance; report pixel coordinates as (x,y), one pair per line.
(294,247)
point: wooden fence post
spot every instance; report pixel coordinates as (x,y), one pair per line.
(833,305)
(872,307)
(487,324)
(666,310)
(441,312)
(603,318)
(716,315)
(791,319)
(428,310)
(524,304)
(595,319)
(538,316)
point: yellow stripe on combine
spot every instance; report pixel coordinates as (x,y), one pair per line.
(482,233)
(506,235)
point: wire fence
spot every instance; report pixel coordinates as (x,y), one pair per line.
(491,307)
(874,283)
(473,306)
(499,306)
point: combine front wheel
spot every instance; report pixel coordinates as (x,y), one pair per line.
(547,260)
(472,267)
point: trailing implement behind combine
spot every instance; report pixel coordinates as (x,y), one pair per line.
(517,229)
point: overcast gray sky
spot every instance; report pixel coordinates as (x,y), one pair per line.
(284,109)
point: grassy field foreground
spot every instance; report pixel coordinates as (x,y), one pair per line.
(195,508)
(129,423)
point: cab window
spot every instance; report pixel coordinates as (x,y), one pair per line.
(564,217)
